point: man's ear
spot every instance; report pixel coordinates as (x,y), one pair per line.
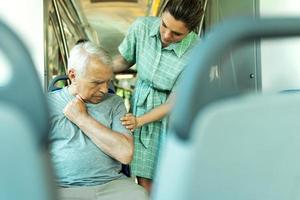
(72,74)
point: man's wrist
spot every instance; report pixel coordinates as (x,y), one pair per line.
(82,120)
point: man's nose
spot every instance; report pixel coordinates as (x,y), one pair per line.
(104,87)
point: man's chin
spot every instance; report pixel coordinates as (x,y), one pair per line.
(96,100)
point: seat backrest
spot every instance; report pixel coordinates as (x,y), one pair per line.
(52,84)
(24,170)
(246,149)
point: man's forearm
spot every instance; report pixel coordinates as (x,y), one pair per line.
(116,145)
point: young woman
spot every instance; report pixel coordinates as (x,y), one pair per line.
(159,47)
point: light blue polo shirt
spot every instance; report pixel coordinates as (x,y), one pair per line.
(77,161)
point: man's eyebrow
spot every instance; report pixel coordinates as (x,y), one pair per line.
(97,81)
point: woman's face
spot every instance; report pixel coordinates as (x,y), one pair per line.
(171,30)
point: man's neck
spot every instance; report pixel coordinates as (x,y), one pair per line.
(72,90)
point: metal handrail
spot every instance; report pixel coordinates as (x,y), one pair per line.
(61,28)
(70,17)
(60,45)
(202,18)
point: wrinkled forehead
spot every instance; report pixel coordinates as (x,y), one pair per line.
(96,69)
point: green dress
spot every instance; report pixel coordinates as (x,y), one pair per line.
(158,72)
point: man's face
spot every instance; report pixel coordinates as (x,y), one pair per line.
(93,85)
(171,30)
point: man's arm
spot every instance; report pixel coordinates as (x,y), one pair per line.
(119,64)
(118,146)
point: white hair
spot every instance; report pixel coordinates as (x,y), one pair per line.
(81,55)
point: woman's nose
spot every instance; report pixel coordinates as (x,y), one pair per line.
(168,35)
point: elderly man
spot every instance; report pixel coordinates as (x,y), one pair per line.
(87,140)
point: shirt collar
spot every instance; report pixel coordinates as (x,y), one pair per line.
(181,47)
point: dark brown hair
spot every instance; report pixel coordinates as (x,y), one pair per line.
(188,11)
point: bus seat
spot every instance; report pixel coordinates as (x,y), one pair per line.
(246,148)
(24,170)
(241,148)
(53,83)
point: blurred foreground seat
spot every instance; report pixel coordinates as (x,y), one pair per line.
(24,165)
(247,148)
(224,144)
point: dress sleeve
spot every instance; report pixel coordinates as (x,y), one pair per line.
(128,46)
